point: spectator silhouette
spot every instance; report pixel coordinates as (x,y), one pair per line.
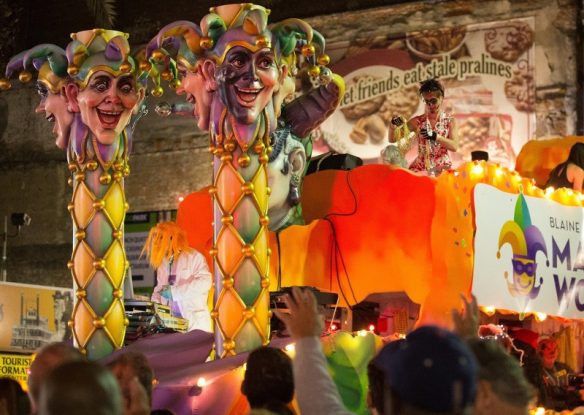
(503,387)
(135,377)
(48,358)
(13,400)
(268,382)
(80,388)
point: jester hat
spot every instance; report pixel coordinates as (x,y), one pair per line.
(525,239)
(230,25)
(99,50)
(49,60)
(177,42)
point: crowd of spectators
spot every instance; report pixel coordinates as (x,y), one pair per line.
(430,371)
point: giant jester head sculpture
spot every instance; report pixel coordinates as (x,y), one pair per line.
(526,241)
(242,64)
(177,50)
(51,63)
(105,90)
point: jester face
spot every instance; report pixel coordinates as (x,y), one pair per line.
(433,101)
(54,106)
(193,85)
(523,274)
(106,104)
(247,81)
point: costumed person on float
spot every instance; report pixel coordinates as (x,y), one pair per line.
(556,377)
(435,132)
(183,279)
(570,173)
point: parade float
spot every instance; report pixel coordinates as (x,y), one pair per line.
(374,229)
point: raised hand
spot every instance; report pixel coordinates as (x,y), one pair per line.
(466,322)
(303,318)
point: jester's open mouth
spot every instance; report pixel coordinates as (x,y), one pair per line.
(109,119)
(247,96)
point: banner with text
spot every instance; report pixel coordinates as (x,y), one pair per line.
(487,71)
(15,366)
(528,254)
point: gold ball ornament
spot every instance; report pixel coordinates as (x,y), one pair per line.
(25,77)
(227,219)
(99,322)
(262,42)
(259,147)
(105,178)
(99,264)
(166,75)
(158,55)
(229,145)
(157,91)
(175,83)
(99,204)
(314,71)
(324,60)
(206,42)
(243,160)
(308,50)
(126,67)
(5,84)
(145,66)
(247,188)
(249,312)
(73,70)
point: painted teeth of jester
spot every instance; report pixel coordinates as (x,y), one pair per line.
(109,118)
(248,95)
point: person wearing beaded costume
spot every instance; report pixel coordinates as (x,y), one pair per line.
(435,132)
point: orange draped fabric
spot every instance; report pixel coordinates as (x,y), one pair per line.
(372,229)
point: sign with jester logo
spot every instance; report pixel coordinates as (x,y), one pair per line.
(528,254)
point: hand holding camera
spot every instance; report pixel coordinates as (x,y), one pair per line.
(428,135)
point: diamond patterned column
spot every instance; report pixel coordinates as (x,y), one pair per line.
(241,254)
(98,262)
